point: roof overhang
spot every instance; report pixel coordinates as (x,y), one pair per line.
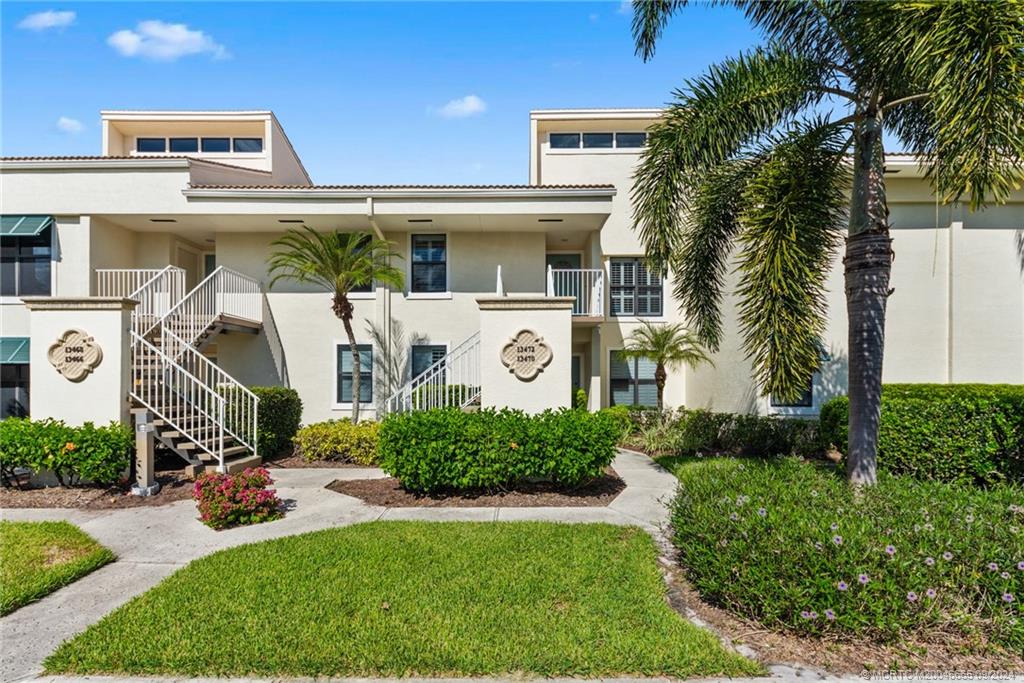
(467,192)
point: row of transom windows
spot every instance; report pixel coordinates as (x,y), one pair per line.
(186,145)
(625,140)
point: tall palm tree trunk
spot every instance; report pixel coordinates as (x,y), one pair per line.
(343,309)
(868,263)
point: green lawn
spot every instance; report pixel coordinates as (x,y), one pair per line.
(37,558)
(411,598)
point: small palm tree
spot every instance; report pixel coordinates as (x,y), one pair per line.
(669,346)
(339,262)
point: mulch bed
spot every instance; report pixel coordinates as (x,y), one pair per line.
(389,493)
(174,486)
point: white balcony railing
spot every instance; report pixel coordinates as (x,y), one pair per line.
(587,285)
(126,281)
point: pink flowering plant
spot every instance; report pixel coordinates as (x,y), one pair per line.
(227,500)
(788,543)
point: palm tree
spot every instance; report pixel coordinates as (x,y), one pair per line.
(339,262)
(669,346)
(769,156)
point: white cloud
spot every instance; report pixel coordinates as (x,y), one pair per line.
(40,21)
(626,7)
(594,17)
(158,40)
(462,107)
(69,125)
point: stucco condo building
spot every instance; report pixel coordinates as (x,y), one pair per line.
(155,251)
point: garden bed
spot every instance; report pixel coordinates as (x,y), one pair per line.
(904,575)
(174,486)
(388,492)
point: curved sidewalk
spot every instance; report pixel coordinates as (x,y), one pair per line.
(153,542)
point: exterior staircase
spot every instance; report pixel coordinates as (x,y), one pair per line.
(453,381)
(194,408)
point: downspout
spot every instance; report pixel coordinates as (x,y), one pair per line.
(383,306)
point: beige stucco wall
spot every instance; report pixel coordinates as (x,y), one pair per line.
(308,329)
(502,319)
(101,397)
(956,313)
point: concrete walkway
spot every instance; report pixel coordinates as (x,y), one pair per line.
(151,543)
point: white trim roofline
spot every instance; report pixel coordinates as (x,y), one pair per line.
(410,192)
(106,162)
(191,114)
(596,114)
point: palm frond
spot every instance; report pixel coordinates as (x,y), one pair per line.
(969,59)
(700,260)
(667,345)
(712,119)
(337,261)
(649,20)
(791,227)
(802,26)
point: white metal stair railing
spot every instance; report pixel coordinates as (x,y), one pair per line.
(241,410)
(452,381)
(184,388)
(179,398)
(157,291)
(223,293)
(587,285)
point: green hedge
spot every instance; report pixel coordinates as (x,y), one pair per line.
(87,453)
(280,415)
(790,544)
(449,449)
(947,432)
(339,440)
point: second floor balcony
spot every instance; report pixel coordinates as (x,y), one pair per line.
(586,284)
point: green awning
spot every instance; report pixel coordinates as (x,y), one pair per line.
(13,226)
(14,349)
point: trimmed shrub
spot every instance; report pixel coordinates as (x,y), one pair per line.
(449,449)
(948,432)
(790,544)
(704,432)
(280,415)
(74,454)
(338,440)
(701,431)
(621,416)
(226,500)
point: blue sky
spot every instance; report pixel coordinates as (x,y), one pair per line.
(368,92)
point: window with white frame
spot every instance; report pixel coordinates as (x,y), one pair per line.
(429,264)
(635,290)
(425,355)
(631,381)
(345,373)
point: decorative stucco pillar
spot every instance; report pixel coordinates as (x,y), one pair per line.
(79,367)
(525,352)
